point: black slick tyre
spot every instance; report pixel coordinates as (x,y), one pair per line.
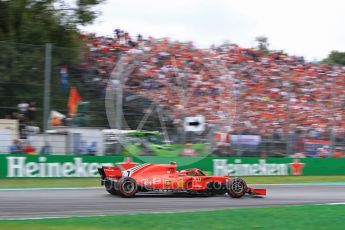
(236,187)
(110,187)
(127,187)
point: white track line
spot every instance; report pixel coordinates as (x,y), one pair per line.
(340,203)
(144,211)
(81,188)
(139,212)
(302,184)
(37,189)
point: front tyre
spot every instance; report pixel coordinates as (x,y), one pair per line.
(127,187)
(110,186)
(236,187)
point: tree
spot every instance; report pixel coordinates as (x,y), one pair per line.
(25,27)
(335,58)
(262,43)
(40,21)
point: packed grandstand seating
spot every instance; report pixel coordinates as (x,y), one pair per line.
(272,93)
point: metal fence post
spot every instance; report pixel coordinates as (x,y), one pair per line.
(47,80)
(333,127)
(119,106)
(289,134)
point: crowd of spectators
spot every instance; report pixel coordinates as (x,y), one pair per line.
(26,115)
(245,90)
(21,147)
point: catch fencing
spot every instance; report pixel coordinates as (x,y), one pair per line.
(37,84)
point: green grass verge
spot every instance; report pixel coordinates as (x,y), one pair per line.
(292,179)
(48,182)
(294,217)
(94,182)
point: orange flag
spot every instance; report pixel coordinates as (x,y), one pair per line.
(73,100)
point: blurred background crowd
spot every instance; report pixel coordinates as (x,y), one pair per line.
(273,93)
(55,84)
(280,103)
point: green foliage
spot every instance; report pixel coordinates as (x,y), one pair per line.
(262,43)
(37,22)
(335,58)
(84,13)
(283,218)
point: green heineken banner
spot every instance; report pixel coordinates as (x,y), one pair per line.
(53,166)
(86,166)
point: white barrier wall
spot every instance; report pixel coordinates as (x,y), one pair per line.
(58,143)
(8,133)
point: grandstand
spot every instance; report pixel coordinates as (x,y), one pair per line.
(242,91)
(255,103)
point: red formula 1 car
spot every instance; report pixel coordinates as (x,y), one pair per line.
(126,179)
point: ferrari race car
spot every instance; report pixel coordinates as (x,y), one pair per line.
(128,178)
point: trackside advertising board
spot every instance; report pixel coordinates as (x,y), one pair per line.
(53,166)
(86,166)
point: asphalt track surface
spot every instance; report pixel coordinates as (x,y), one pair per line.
(96,201)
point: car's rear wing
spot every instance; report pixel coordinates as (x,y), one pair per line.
(116,171)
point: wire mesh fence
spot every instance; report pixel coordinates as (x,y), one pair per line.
(109,97)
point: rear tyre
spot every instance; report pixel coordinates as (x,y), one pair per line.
(110,186)
(127,187)
(236,187)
